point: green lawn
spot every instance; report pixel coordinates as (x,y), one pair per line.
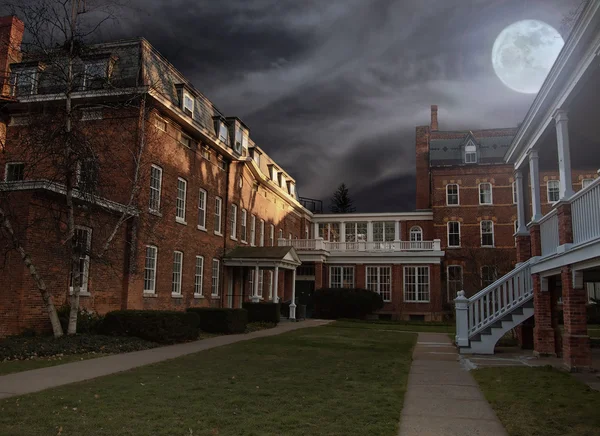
(399,326)
(541,401)
(12,366)
(317,381)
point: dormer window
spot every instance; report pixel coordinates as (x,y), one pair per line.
(273,173)
(223,133)
(188,103)
(24,82)
(95,74)
(291,189)
(470,153)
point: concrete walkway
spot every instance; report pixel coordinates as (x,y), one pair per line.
(442,397)
(44,378)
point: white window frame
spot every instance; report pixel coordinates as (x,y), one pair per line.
(280,234)
(416,234)
(199,277)
(586,182)
(83,289)
(378,285)
(87,75)
(556,190)
(481,185)
(342,275)
(253,230)
(157,189)
(261,283)
(9,164)
(202,200)
(233,221)
(448,194)
(206,153)
(91,114)
(289,236)
(33,73)
(417,283)
(270,284)
(244,226)
(448,234)
(150,270)
(177,276)
(470,153)
(450,297)
(492,233)
(159,122)
(272,235)
(514,192)
(185,140)
(218,215)
(223,133)
(495,271)
(180,204)
(261,239)
(215,278)
(184,104)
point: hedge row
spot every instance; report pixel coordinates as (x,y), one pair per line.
(215,320)
(263,312)
(334,303)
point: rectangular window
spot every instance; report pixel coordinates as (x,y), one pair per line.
(379,279)
(94,75)
(280,234)
(553,191)
(233,221)
(261,235)
(244,229)
(206,153)
(181,198)
(341,277)
(453,234)
(188,103)
(270,284)
(150,269)
(160,124)
(487,233)
(514,192)
(356,232)
(202,209)
(586,182)
(222,164)
(215,278)
(253,230)
(91,113)
(454,281)
(83,242)
(485,193)
(261,282)
(198,276)
(14,172)
(272,235)
(223,133)
(185,140)
(416,284)
(452,195)
(218,207)
(155,187)
(177,269)
(489,275)
(25,82)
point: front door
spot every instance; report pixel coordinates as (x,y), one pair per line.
(304,295)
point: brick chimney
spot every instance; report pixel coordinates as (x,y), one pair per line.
(11,35)
(423,199)
(434,118)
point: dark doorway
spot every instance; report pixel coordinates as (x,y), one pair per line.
(304,295)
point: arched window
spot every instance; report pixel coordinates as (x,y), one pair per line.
(416,234)
(470,153)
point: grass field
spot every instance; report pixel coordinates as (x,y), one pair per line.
(398,326)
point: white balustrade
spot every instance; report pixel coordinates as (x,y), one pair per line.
(370,246)
(549,233)
(585,213)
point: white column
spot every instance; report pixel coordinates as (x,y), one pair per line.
(275,283)
(293,303)
(522,229)
(534,172)
(342,231)
(397,231)
(255,298)
(369,231)
(316,231)
(461,304)
(564,154)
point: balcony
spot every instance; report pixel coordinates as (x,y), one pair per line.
(364,246)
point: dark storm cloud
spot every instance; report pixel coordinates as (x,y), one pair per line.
(333,89)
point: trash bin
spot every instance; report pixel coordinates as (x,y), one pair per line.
(301,311)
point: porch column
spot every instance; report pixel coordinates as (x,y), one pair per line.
(343,231)
(275,283)
(522,228)
(564,154)
(543,333)
(316,231)
(397,231)
(369,231)
(293,303)
(534,171)
(255,298)
(577,351)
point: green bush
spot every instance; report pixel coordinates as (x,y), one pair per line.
(162,326)
(263,312)
(88,322)
(334,303)
(221,320)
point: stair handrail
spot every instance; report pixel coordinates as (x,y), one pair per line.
(505,277)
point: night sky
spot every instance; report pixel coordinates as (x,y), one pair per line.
(333,89)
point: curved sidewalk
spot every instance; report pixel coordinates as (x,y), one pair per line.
(26,382)
(442,397)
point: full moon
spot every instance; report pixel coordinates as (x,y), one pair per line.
(524,53)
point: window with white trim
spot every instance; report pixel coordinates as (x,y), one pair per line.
(233,221)
(181,198)
(384,231)
(155,187)
(341,276)
(202,209)
(489,275)
(270,284)
(261,282)
(185,140)
(379,279)
(261,235)
(514,192)
(25,82)
(91,113)
(150,269)
(177,271)
(253,230)
(416,234)
(454,281)
(218,209)
(453,234)
(280,234)
(223,133)
(206,153)
(354,232)
(553,191)
(95,74)
(14,172)
(272,235)
(198,275)
(586,182)
(188,103)
(82,245)
(487,233)
(215,278)
(485,193)
(452,194)
(244,226)
(416,284)
(160,123)
(470,153)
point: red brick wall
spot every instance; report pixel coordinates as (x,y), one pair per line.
(11,34)
(422,163)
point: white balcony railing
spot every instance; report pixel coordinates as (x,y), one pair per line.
(585,213)
(549,233)
(370,246)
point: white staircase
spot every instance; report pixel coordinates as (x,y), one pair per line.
(485,317)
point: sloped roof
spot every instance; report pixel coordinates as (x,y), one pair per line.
(447,149)
(268,253)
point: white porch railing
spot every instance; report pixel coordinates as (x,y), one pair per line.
(585,213)
(549,233)
(370,246)
(490,304)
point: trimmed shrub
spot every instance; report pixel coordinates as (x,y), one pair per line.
(334,303)
(263,312)
(221,320)
(162,326)
(87,320)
